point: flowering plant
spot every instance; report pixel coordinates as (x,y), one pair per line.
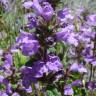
(57,51)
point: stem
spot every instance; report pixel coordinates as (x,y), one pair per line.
(91,72)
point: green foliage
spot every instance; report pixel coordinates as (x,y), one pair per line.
(19,59)
(75,76)
(52,91)
(2,86)
(81,92)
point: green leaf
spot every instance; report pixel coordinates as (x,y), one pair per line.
(75,76)
(51,91)
(20,59)
(2,87)
(83,91)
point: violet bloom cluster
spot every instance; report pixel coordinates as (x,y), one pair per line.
(45,30)
(7,71)
(27,43)
(46,11)
(82,41)
(40,69)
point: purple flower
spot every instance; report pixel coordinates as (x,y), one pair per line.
(87,33)
(67,36)
(6,5)
(29,90)
(82,69)
(1,79)
(78,68)
(74,67)
(39,68)
(28,4)
(68,90)
(53,63)
(3,93)
(15,48)
(65,15)
(25,37)
(93,63)
(86,30)
(77,83)
(15,94)
(87,52)
(35,5)
(9,88)
(3,1)
(8,62)
(29,49)
(28,76)
(47,11)
(42,0)
(7,85)
(90,85)
(32,23)
(36,71)
(62,35)
(27,80)
(72,40)
(88,58)
(83,39)
(91,20)
(6,81)
(63,12)
(7,72)
(27,43)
